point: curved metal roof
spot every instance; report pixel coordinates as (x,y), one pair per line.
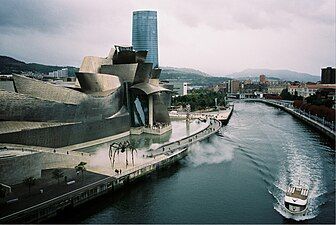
(149,88)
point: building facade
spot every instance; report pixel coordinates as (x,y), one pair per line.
(145,35)
(233,86)
(113,95)
(304,90)
(262,79)
(328,75)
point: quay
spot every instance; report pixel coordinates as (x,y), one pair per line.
(321,125)
(40,207)
(222,115)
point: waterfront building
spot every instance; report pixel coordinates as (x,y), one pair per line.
(262,79)
(59,73)
(276,89)
(114,94)
(248,81)
(328,75)
(233,86)
(185,88)
(304,90)
(179,88)
(145,35)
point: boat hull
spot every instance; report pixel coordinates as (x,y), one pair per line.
(297,213)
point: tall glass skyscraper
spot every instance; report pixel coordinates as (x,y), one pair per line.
(144,34)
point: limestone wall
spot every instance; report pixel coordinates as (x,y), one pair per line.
(14,170)
(70,134)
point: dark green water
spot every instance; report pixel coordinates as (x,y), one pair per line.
(238,178)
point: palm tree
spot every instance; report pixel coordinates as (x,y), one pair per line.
(29,181)
(81,167)
(3,192)
(57,174)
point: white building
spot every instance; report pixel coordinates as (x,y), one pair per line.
(185,89)
(59,73)
(304,90)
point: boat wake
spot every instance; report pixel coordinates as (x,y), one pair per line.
(212,152)
(301,165)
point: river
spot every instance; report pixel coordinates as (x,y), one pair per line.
(237,178)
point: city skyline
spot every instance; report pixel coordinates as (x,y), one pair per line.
(294,35)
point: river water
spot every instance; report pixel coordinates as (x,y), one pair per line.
(237,178)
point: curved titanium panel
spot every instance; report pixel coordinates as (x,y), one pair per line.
(161,114)
(124,71)
(92,64)
(47,91)
(96,82)
(143,72)
(156,73)
(149,88)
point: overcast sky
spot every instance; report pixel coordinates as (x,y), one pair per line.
(215,36)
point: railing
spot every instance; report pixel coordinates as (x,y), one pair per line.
(321,121)
(211,128)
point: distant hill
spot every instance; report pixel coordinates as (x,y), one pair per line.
(281,74)
(194,77)
(10,65)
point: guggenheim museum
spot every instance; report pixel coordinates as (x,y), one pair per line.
(114,96)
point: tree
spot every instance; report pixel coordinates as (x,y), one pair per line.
(3,192)
(57,174)
(81,168)
(29,181)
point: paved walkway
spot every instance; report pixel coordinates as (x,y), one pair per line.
(51,189)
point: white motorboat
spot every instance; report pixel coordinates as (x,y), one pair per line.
(296,199)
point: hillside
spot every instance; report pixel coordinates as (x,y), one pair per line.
(10,65)
(281,74)
(194,77)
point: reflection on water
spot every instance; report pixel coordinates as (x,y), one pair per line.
(238,178)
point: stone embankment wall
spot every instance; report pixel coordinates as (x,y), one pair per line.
(47,209)
(313,123)
(14,170)
(69,134)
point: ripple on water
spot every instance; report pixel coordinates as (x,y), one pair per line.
(301,164)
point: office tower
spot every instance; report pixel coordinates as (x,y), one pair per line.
(328,75)
(144,34)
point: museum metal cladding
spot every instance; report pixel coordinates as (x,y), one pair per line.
(112,95)
(145,35)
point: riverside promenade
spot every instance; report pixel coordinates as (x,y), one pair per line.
(35,207)
(320,124)
(222,115)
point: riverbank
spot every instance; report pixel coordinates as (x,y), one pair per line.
(313,123)
(222,115)
(261,149)
(156,159)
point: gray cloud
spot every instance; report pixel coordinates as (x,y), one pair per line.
(217,36)
(44,16)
